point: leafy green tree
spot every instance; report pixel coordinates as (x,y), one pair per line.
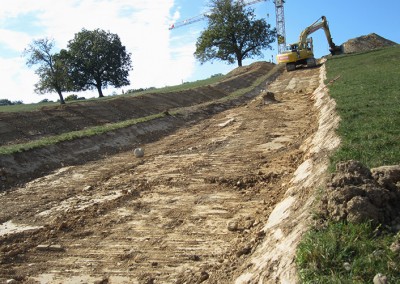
(233,33)
(74,97)
(98,59)
(52,69)
(5,102)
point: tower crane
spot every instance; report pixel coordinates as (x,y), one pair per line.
(280,21)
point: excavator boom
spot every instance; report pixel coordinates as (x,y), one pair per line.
(302,51)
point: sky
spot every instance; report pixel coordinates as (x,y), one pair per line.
(163,57)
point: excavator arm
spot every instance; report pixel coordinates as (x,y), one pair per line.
(318,24)
(302,51)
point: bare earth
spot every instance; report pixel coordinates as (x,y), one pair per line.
(195,209)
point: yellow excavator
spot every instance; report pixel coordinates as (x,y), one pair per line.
(302,51)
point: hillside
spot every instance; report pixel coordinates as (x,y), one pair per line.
(223,193)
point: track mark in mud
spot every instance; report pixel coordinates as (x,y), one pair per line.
(192,209)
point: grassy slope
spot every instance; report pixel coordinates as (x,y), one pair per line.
(368,101)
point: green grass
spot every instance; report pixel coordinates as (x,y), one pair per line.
(177,88)
(87,132)
(368,102)
(367,94)
(322,254)
(186,85)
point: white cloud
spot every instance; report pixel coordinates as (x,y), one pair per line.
(158,59)
(16,81)
(14,40)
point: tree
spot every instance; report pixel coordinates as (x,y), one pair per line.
(98,59)
(233,33)
(52,70)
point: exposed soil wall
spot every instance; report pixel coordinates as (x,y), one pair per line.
(24,126)
(24,166)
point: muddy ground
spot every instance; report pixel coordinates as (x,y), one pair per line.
(195,209)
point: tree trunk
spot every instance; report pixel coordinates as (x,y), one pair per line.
(239,59)
(61,97)
(99,90)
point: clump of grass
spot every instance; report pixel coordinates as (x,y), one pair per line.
(347,253)
(368,102)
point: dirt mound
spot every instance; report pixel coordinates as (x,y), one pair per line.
(26,126)
(357,194)
(249,68)
(366,43)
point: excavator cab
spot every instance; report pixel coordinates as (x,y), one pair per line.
(298,53)
(302,51)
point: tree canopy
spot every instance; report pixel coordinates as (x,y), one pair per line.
(97,59)
(52,71)
(233,33)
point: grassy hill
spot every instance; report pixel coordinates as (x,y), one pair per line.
(367,93)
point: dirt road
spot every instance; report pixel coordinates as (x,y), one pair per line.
(192,210)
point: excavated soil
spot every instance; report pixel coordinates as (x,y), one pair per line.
(26,126)
(221,195)
(366,43)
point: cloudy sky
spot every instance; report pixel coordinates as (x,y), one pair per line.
(161,56)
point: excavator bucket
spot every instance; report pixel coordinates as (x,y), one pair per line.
(337,50)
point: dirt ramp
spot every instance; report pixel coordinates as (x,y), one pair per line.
(366,43)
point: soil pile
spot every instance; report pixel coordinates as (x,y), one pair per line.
(366,43)
(358,194)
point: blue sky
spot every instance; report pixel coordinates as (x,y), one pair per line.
(160,56)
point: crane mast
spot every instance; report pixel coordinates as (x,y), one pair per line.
(280,24)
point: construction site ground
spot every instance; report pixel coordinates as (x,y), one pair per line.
(220,200)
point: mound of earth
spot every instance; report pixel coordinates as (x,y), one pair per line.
(22,127)
(192,105)
(366,43)
(358,194)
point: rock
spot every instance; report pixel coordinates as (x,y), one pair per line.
(203,277)
(243,251)
(380,279)
(347,266)
(269,98)
(138,152)
(11,281)
(102,281)
(395,246)
(194,257)
(88,188)
(233,226)
(55,248)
